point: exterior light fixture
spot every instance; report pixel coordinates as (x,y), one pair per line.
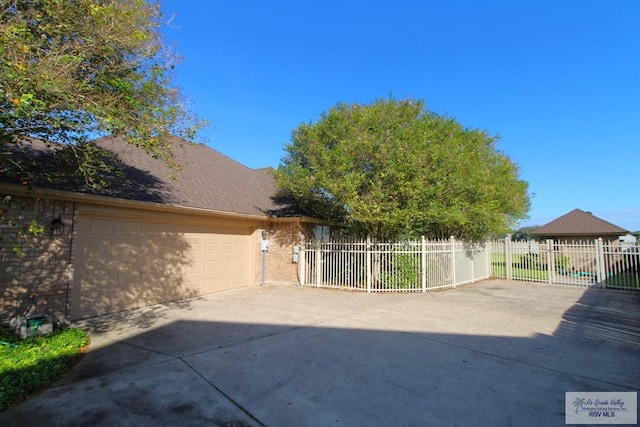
(56,227)
(265,234)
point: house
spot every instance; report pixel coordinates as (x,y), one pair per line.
(146,238)
(579,225)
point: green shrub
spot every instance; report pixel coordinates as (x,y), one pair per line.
(29,365)
(529,261)
(403,272)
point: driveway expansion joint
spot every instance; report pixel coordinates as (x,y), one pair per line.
(226,396)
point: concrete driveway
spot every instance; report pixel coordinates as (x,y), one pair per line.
(491,353)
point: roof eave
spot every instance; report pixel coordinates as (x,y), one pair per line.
(20,190)
(301,218)
(608,233)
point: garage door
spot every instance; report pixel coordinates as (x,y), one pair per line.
(129,263)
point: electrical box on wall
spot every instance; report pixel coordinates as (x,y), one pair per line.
(264,245)
(296,252)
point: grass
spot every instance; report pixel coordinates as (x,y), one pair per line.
(499,268)
(623,280)
(627,279)
(528,273)
(29,365)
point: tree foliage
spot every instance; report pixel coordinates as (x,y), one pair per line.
(524,233)
(71,70)
(393,169)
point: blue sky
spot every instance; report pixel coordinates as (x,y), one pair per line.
(558,81)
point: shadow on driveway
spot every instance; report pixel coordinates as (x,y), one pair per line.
(493,353)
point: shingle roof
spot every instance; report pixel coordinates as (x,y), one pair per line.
(579,223)
(207,179)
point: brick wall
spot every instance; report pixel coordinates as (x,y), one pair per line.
(38,281)
(283,236)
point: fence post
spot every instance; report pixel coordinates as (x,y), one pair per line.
(507,258)
(368,259)
(473,266)
(302,263)
(487,258)
(600,263)
(551,264)
(453,261)
(319,244)
(423,259)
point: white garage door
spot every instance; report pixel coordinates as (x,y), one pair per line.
(129,263)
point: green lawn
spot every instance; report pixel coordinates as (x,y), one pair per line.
(628,279)
(498,264)
(527,273)
(499,268)
(29,365)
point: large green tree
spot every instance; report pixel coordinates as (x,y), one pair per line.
(71,70)
(393,169)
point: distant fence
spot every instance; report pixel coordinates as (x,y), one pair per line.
(408,266)
(425,265)
(605,264)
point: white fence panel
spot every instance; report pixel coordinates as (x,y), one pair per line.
(425,265)
(576,263)
(336,264)
(621,264)
(439,267)
(588,263)
(409,266)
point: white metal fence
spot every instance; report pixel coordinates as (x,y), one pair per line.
(604,264)
(424,265)
(409,266)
